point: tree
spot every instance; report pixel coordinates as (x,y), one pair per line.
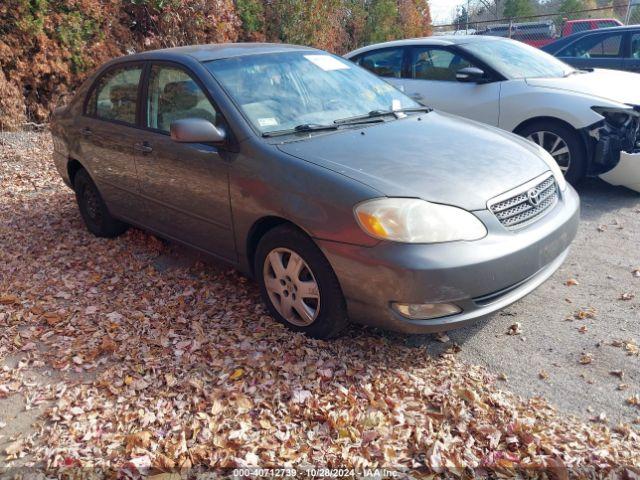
(462,18)
(414,17)
(382,21)
(518,8)
(575,9)
(251,13)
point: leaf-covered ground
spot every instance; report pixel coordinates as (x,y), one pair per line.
(140,367)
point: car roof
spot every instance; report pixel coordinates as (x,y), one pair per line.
(553,47)
(435,40)
(589,20)
(205,53)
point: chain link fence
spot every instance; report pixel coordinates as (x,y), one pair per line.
(542,29)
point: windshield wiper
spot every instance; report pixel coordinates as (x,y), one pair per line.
(305,127)
(376,114)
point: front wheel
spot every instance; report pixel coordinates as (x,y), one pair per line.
(563,144)
(298,284)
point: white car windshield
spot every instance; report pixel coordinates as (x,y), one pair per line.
(517,60)
(280,91)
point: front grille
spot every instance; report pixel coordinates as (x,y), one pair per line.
(526,205)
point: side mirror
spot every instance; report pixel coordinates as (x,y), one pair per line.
(196,130)
(470,75)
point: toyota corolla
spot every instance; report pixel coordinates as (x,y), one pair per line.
(343,197)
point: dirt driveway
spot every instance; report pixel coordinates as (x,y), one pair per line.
(133,353)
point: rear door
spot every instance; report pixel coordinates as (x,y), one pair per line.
(185,185)
(431,80)
(595,50)
(107,131)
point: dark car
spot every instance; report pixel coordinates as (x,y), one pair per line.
(340,194)
(616,48)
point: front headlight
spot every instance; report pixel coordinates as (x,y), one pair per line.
(553,166)
(616,117)
(411,220)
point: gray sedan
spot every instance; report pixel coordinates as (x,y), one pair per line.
(344,198)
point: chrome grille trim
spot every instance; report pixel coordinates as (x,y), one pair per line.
(514,210)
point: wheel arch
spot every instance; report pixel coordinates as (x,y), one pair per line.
(259,228)
(73,167)
(532,120)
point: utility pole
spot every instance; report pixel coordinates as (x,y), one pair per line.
(627,17)
(467,15)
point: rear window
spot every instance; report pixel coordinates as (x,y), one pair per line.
(114,97)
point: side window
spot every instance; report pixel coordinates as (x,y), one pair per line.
(594,46)
(635,46)
(428,63)
(385,63)
(607,24)
(115,95)
(580,27)
(174,95)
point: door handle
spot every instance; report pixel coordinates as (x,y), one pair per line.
(86,132)
(417,96)
(143,147)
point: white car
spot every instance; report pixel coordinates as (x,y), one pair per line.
(587,120)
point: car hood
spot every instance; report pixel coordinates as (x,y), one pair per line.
(621,87)
(438,157)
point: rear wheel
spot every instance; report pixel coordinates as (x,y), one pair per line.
(298,284)
(563,144)
(92,208)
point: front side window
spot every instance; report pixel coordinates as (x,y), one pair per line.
(516,60)
(429,63)
(384,63)
(280,91)
(115,96)
(635,46)
(607,24)
(594,46)
(174,95)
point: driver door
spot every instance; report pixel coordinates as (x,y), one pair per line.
(596,50)
(185,185)
(431,80)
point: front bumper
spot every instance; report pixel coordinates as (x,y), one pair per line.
(480,276)
(626,173)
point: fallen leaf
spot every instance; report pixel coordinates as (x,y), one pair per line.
(586,358)
(442,337)
(571,282)
(514,329)
(15,448)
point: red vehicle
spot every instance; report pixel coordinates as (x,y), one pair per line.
(539,34)
(575,26)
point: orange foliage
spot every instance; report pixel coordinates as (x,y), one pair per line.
(47,47)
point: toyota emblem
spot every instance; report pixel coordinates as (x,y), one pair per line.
(534,197)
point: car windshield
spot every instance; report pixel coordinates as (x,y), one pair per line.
(281,91)
(517,60)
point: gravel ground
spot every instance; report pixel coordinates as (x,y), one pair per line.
(135,353)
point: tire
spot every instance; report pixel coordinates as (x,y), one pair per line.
(546,132)
(93,210)
(316,305)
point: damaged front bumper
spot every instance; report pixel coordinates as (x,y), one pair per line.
(626,173)
(613,144)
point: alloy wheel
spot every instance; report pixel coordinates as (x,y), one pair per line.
(556,146)
(291,286)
